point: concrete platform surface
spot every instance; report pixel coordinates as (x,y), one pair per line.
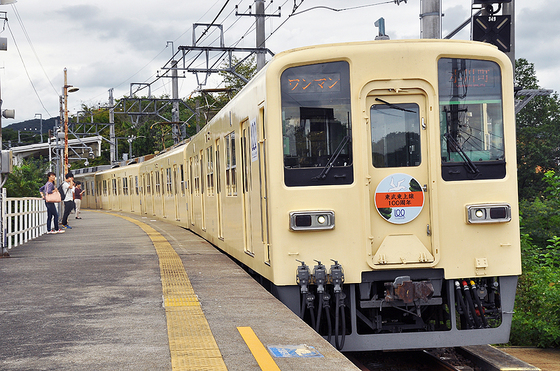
(91,299)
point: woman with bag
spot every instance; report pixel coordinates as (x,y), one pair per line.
(51,196)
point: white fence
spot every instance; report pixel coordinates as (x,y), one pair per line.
(23,219)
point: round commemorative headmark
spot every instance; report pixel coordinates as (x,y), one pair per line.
(399,198)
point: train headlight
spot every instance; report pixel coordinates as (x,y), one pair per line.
(311,220)
(488,213)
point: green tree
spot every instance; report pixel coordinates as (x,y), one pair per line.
(538,135)
(536,319)
(26,179)
(246,68)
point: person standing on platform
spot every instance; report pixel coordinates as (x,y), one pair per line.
(68,198)
(78,191)
(49,188)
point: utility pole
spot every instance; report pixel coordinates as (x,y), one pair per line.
(259,5)
(113,155)
(260,30)
(175,96)
(430,19)
(509,9)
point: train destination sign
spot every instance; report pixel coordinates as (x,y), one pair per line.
(316,83)
(399,198)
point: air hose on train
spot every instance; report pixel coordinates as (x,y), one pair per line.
(303,279)
(320,274)
(337,279)
(480,308)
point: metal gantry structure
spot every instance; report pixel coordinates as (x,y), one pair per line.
(220,59)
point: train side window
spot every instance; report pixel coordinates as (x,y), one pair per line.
(168,184)
(125,186)
(210,170)
(196,176)
(136,184)
(182,180)
(316,124)
(158,184)
(231,167)
(395,135)
(471,119)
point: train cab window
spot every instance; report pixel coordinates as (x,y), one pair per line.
(316,124)
(471,120)
(395,134)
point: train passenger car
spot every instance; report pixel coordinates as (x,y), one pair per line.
(390,168)
(163,191)
(117,188)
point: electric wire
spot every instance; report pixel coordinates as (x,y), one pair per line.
(27,72)
(294,13)
(20,20)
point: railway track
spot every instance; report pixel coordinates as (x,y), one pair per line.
(472,358)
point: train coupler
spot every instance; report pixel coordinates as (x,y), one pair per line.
(403,288)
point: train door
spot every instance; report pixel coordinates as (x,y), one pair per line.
(143,194)
(219,190)
(190,190)
(175,191)
(152,194)
(401,224)
(201,166)
(263,181)
(246,185)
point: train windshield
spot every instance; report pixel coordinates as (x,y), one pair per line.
(316,125)
(470,101)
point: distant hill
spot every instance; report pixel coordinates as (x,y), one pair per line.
(33,125)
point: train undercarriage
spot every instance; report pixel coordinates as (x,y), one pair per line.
(402,309)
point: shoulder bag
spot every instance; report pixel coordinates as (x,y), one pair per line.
(53,197)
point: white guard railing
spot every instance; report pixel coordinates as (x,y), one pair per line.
(23,219)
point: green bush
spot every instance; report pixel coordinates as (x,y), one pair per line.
(536,321)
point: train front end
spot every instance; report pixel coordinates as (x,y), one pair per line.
(394,223)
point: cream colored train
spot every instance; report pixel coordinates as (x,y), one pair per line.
(372,185)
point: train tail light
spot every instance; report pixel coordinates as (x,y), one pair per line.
(488,213)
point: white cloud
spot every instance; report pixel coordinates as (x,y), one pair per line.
(109,44)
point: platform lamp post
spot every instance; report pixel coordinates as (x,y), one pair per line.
(65,90)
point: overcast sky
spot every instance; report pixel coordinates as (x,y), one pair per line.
(110,44)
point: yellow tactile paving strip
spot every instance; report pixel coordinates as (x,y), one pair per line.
(191,342)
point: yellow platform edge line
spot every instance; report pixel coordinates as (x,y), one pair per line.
(263,358)
(182,344)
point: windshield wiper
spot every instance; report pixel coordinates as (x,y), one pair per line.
(471,167)
(332,159)
(394,106)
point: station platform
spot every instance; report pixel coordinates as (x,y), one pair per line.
(121,292)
